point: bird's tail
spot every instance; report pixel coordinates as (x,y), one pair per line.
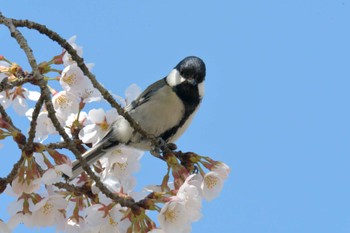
(119,132)
(91,156)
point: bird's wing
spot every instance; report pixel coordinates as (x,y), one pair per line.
(146,94)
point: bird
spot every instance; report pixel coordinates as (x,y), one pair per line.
(164,110)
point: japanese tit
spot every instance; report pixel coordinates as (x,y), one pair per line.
(165,110)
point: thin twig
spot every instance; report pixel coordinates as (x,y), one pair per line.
(6,85)
(63,145)
(7,118)
(22,42)
(77,190)
(34,122)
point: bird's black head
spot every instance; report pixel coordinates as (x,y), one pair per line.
(192,69)
(187,80)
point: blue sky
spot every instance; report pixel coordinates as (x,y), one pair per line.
(277,101)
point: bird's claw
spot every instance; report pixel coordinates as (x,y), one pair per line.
(158,147)
(162,146)
(160,143)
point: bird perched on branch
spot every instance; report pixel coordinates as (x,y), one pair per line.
(165,110)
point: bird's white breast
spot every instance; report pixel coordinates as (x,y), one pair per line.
(182,129)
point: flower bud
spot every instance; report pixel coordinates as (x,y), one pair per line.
(44,68)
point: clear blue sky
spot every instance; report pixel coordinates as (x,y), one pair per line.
(277,95)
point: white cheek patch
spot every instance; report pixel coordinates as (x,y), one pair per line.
(201,89)
(174,78)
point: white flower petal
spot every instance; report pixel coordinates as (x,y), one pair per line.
(46,212)
(111,115)
(33,95)
(212,185)
(222,169)
(65,168)
(4,228)
(51,176)
(20,106)
(132,92)
(173,217)
(97,115)
(39,159)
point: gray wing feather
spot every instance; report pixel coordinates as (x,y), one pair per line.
(146,94)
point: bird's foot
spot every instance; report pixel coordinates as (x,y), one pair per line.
(158,147)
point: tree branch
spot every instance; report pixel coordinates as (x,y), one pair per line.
(80,62)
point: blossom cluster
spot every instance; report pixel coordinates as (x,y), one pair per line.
(44,198)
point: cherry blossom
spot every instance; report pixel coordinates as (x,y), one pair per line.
(222,169)
(65,104)
(131,93)
(122,162)
(100,121)
(83,120)
(158,230)
(102,219)
(47,211)
(67,59)
(17,99)
(74,226)
(54,175)
(212,185)
(75,82)
(4,228)
(25,186)
(18,218)
(173,216)
(45,128)
(190,193)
